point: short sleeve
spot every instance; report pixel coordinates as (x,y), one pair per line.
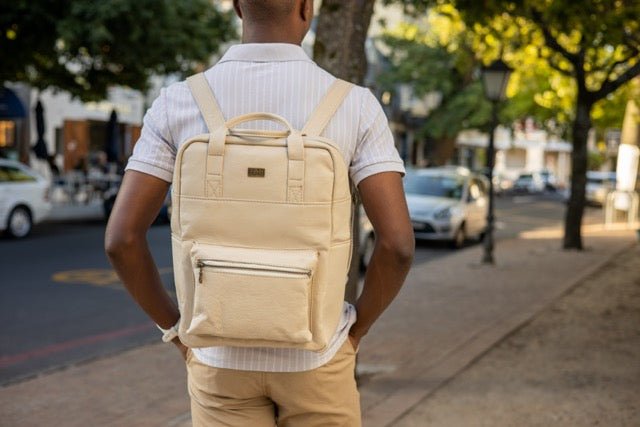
(375,151)
(155,152)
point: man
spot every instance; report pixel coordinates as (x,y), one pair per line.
(269,72)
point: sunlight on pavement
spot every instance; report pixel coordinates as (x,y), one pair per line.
(590,229)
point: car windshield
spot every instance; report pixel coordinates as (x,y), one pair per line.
(438,186)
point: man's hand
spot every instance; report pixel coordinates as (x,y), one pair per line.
(355,342)
(384,201)
(183,349)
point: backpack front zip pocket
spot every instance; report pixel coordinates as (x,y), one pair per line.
(253,294)
(250,268)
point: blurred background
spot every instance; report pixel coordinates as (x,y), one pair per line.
(518,122)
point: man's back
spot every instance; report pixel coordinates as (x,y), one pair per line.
(277,78)
(281,79)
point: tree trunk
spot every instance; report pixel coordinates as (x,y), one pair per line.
(339,49)
(575,207)
(340,37)
(443,151)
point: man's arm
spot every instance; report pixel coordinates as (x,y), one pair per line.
(383,199)
(139,200)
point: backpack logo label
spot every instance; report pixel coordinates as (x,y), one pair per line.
(255,172)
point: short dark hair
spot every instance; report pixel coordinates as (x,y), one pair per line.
(266,10)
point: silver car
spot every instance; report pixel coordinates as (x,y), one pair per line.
(447,204)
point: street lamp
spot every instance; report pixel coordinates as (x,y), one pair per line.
(494,79)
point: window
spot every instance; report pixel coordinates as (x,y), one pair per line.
(434,185)
(7,133)
(4,174)
(18,175)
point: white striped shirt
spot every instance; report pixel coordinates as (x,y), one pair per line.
(281,79)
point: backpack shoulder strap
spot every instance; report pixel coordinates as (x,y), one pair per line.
(206,101)
(320,117)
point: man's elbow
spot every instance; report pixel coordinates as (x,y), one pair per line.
(400,247)
(118,243)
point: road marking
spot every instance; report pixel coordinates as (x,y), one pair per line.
(6,361)
(95,276)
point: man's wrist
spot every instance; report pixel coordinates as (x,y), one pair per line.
(356,332)
(170,334)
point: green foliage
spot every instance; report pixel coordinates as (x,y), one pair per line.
(542,85)
(83,47)
(438,60)
(596,42)
(596,160)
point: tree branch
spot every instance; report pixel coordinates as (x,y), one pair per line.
(552,42)
(613,66)
(610,86)
(632,40)
(553,64)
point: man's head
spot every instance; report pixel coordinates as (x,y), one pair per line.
(265,21)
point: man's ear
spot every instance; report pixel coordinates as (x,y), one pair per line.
(306,10)
(236,7)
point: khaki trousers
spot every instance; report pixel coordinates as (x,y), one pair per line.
(325,396)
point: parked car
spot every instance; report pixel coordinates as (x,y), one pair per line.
(550,181)
(502,184)
(535,182)
(599,184)
(447,204)
(24,198)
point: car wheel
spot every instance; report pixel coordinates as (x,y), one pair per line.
(367,251)
(459,238)
(20,222)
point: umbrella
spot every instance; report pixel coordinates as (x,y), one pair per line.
(10,105)
(41,146)
(111,143)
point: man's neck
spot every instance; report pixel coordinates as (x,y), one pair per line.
(268,35)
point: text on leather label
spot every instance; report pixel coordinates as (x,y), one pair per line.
(255,172)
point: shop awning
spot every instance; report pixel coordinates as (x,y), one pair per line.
(10,105)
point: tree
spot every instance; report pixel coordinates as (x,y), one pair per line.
(595,44)
(340,49)
(84,47)
(436,55)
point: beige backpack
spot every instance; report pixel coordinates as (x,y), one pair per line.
(260,229)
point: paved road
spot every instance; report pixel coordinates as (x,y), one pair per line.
(60,303)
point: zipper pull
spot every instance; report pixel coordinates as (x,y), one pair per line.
(201,267)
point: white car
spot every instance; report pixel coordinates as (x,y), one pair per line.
(24,198)
(447,204)
(535,182)
(599,184)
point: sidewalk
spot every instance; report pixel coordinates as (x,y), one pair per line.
(450,312)
(574,364)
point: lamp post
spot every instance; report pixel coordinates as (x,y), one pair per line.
(494,79)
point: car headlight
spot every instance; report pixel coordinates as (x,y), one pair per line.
(443,213)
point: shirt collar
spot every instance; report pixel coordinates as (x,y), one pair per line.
(265,52)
